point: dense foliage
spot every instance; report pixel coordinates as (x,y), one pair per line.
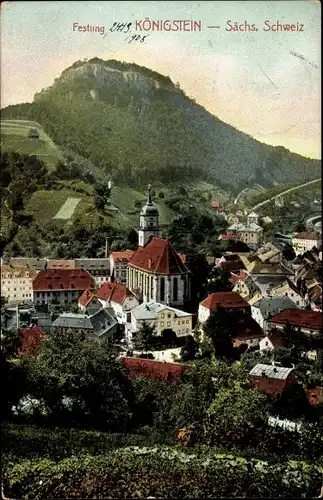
(162,473)
(137,125)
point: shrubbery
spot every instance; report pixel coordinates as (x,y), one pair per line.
(162,473)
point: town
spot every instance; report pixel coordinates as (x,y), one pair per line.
(144,300)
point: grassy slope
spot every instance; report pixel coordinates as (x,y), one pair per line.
(44,204)
(14,137)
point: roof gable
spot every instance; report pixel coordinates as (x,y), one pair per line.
(158,257)
(114,292)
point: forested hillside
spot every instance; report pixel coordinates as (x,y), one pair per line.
(137,126)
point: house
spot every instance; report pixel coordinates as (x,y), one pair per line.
(309,322)
(30,339)
(306,240)
(62,286)
(98,268)
(266,307)
(118,265)
(272,380)
(101,325)
(156,270)
(161,317)
(273,340)
(230,301)
(246,330)
(152,369)
(231,263)
(120,298)
(33,133)
(17,283)
(89,302)
(250,233)
(216,205)
(287,289)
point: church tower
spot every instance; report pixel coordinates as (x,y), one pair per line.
(148,225)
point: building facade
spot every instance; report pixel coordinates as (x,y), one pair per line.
(161,318)
(302,242)
(17,283)
(61,286)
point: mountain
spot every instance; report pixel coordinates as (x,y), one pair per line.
(138,127)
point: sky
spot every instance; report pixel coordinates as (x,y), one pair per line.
(264,83)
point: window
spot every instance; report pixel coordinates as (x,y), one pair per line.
(162,315)
(169,323)
(169,315)
(161,323)
(178,322)
(183,322)
(175,289)
(162,288)
(187,321)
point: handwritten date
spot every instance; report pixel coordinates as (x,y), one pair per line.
(125,28)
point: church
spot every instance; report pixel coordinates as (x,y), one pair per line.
(156,271)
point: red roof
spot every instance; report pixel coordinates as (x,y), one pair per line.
(299,317)
(86,297)
(308,235)
(63,279)
(224,299)
(159,257)
(114,292)
(246,328)
(30,339)
(241,276)
(315,395)
(122,256)
(150,368)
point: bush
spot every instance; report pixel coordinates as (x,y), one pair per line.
(160,472)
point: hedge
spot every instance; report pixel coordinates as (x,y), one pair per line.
(160,472)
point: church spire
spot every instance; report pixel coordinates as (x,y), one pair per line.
(149,200)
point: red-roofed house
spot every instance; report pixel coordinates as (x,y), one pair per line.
(118,265)
(60,285)
(120,298)
(274,340)
(307,320)
(158,370)
(231,301)
(89,301)
(159,273)
(30,339)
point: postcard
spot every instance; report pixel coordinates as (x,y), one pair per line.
(161,249)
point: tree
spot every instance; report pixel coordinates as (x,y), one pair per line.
(217,330)
(145,337)
(81,380)
(236,414)
(218,281)
(189,350)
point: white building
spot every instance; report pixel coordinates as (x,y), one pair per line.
(262,310)
(120,298)
(17,282)
(161,317)
(118,265)
(302,242)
